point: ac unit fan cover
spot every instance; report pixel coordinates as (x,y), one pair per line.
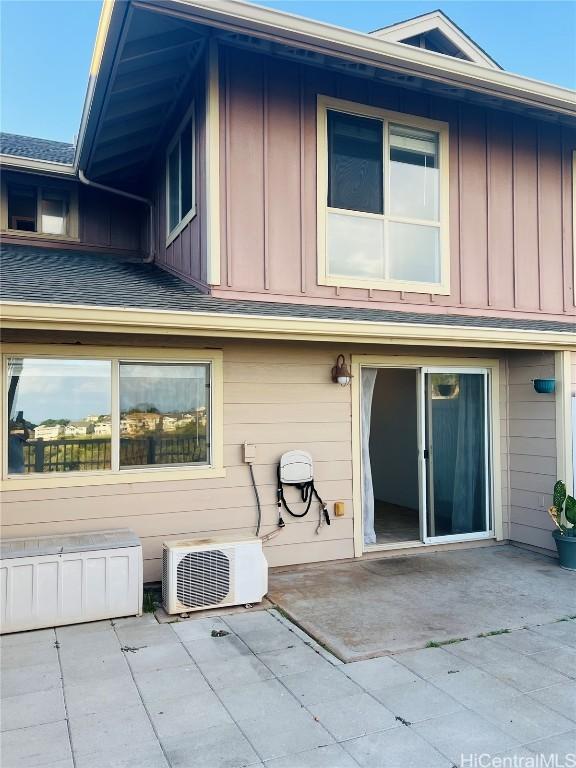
(203,578)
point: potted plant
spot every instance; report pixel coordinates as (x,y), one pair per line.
(563,513)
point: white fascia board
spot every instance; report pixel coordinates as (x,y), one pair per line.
(247,17)
(14,162)
(436,20)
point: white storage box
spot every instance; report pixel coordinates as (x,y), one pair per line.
(46,581)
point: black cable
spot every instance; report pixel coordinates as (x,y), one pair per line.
(257,499)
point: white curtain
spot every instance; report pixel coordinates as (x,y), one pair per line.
(368,381)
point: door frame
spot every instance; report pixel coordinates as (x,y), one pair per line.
(488,532)
(492,366)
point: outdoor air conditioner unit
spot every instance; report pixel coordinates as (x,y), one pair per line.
(211,573)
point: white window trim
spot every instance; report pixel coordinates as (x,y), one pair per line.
(574,217)
(71,191)
(325,103)
(172,234)
(138,474)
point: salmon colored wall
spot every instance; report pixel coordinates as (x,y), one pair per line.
(510,195)
(112,221)
(186,254)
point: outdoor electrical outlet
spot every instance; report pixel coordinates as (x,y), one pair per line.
(339,509)
(249,453)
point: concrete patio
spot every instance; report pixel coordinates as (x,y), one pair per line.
(404,602)
(146,695)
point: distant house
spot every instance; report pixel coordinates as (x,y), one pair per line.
(103,428)
(169,423)
(133,423)
(49,432)
(79,429)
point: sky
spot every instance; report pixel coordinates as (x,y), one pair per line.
(74,389)
(46,46)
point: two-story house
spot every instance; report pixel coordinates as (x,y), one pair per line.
(257,206)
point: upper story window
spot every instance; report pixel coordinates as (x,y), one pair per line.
(382,199)
(180,181)
(39,209)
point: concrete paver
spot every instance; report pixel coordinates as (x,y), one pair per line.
(138,694)
(38,745)
(32,709)
(465,731)
(332,756)
(398,747)
(353,716)
(417,701)
(166,684)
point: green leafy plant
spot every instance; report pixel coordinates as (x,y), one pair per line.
(149,601)
(563,510)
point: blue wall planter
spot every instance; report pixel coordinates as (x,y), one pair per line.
(545,386)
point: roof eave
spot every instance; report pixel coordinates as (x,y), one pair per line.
(16,162)
(247,17)
(78,317)
(110,25)
(244,17)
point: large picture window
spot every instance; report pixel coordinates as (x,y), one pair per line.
(106,415)
(382,199)
(180,171)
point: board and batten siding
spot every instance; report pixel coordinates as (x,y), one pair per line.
(510,194)
(106,222)
(532,449)
(185,255)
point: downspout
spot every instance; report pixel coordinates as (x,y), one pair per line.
(149,258)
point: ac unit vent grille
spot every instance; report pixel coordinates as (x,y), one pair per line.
(203,578)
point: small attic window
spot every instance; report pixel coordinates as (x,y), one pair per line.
(41,210)
(437,42)
(22,205)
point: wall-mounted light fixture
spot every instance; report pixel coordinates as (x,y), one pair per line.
(544,386)
(340,372)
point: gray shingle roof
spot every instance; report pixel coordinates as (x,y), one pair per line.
(47,275)
(36,149)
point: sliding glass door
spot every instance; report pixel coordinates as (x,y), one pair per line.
(455,471)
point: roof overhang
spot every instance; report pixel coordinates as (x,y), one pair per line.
(141,63)
(16,163)
(80,318)
(358,46)
(143,55)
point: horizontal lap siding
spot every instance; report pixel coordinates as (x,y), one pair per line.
(510,229)
(532,444)
(278,400)
(278,396)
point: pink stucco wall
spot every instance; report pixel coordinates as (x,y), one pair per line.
(510,195)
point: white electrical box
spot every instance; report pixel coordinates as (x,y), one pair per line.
(47,581)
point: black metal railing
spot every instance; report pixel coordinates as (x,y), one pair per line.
(93,454)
